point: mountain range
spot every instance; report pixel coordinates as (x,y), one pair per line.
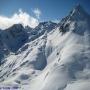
(51,56)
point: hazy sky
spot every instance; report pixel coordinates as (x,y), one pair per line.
(42,9)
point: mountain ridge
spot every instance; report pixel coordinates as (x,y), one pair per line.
(53,57)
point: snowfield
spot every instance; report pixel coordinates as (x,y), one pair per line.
(49,57)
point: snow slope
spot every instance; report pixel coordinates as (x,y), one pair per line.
(54,56)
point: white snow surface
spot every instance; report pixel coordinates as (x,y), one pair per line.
(53,61)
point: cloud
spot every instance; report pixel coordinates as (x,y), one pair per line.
(20,17)
(37,12)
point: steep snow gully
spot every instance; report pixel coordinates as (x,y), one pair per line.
(52,56)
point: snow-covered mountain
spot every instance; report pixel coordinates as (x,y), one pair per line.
(52,56)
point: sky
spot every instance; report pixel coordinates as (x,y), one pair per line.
(49,9)
(38,10)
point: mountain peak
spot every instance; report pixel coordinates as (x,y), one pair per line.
(77,18)
(78,7)
(78,13)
